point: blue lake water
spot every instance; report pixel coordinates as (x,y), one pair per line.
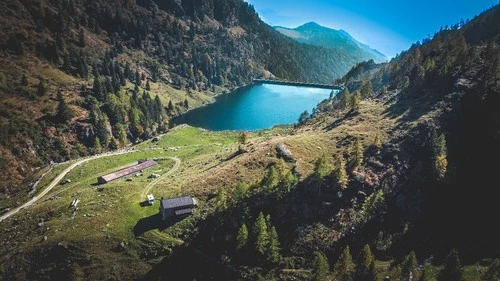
(259,106)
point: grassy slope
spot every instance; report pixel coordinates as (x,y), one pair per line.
(107,228)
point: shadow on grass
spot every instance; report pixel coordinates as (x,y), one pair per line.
(339,121)
(144,203)
(154,222)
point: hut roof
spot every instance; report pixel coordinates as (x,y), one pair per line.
(127,171)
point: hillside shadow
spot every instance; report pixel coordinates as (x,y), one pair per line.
(339,121)
(153,222)
(410,106)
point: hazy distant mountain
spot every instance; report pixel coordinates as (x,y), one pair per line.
(315,34)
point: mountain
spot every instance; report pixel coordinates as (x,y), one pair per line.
(124,68)
(393,177)
(315,34)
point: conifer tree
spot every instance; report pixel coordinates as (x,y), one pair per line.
(221,200)
(440,160)
(409,269)
(81,38)
(341,174)
(303,116)
(377,142)
(97,145)
(493,271)
(242,238)
(383,92)
(355,100)
(357,151)
(343,270)
(366,89)
(137,78)
(241,191)
(289,180)
(271,179)
(120,134)
(41,89)
(64,113)
(365,266)
(452,270)
(243,138)
(273,252)
(320,267)
(24,80)
(261,234)
(321,167)
(345,98)
(425,276)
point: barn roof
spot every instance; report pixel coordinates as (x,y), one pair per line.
(127,171)
(184,211)
(178,202)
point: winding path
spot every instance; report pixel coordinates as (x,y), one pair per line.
(176,166)
(56,181)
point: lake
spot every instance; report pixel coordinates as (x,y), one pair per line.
(259,106)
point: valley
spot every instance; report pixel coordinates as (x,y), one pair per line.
(385,176)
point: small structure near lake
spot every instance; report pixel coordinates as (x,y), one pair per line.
(177,207)
(151,199)
(127,171)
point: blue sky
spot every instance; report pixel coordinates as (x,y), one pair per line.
(389,26)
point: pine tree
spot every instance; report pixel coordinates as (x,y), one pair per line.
(64,113)
(289,181)
(345,98)
(493,272)
(221,199)
(320,267)
(241,192)
(137,78)
(366,89)
(341,173)
(365,266)
(303,116)
(321,168)
(440,160)
(24,80)
(121,134)
(425,276)
(76,272)
(242,238)
(377,142)
(81,38)
(97,146)
(261,234)
(344,268)
(41,89)
(243,138)
(409,269)
(452,270)
(355,100)
(271,179)
(273,252)
(357,151)
(384,92)
(148,87)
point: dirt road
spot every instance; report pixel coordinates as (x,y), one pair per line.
(56,181)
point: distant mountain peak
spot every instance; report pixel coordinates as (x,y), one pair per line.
(315,34)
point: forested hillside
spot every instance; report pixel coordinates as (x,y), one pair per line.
(80,77)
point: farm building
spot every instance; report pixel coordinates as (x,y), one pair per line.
(126,172)
(176,207)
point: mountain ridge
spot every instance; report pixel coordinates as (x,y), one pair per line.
(318,35)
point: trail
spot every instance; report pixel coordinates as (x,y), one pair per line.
(155,181)
(56,181)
